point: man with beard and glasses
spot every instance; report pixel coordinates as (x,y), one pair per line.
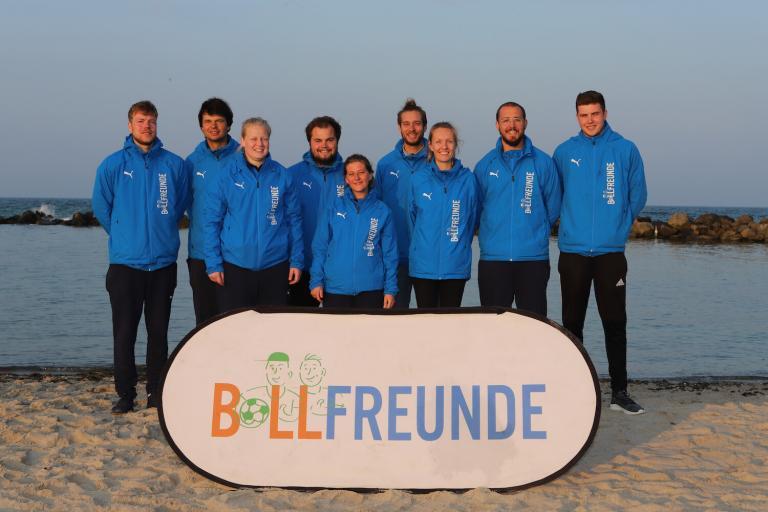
(393,177)
(139,196)
(319,178)
(203,167)
(520,198)
(603,192)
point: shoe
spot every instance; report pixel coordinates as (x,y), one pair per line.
(152,401)
(123,406)
(620,401)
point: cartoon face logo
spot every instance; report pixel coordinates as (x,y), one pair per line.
(311,371)
(278,369)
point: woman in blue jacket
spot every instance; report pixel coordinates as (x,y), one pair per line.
(252,226)
(443,206)
(354,251)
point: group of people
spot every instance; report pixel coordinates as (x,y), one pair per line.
(332,231)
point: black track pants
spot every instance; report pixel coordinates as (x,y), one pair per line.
(433,293)
(203,291)
(373,299)
(609,274)
(521,282)
(244,288)
(299,293)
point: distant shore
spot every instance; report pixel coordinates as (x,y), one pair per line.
(679,227)
(699,446)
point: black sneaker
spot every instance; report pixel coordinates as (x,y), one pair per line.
(123,406)
(620,401)
(152,401)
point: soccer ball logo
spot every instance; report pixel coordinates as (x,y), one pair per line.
(253,412)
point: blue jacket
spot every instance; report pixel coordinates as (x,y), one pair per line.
(252,218)
(355,248)
(203,166)
(393,177)
(443,217)
(603,191)
(316,187)
(520,198)
(139,199)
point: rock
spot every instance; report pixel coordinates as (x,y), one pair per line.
(641,230)
(665,230)
(707,219)
(730,235)
(28,217)
(744,219)
(184,222)
(644,219)
(678,219)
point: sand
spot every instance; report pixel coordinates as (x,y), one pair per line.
(700,446)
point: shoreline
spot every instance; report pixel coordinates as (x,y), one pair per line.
(699,446)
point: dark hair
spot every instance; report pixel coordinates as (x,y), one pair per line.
(215,107)
(509,104)
(366,163)
(411,106)
(588,98)
(442,124)
(323,122)
(145,107)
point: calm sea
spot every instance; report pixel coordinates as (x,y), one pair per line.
(694,310)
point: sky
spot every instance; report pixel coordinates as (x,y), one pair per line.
(685,80)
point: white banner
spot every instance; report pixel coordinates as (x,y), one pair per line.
(414,400)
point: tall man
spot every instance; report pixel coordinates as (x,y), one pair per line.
(393,177)
(604,190)
(520,198)
(318,177)
(204,166)
(139,195)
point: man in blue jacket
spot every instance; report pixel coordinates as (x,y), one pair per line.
(393,178)
(603,192)
(319,178)
(203,166)
(520,198)
(139,196)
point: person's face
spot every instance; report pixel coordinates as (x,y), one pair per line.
(591,118)
(357,177)
(143,128)
(214,128)
(511,126)
(412,128)
(311,372)
(255,142)
(443,146)
(323,145)
(278,373)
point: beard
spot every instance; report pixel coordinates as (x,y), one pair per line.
(325,162)
(513,142)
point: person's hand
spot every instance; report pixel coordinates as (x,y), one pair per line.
(217,277)
(389,301)
(317,293)
(294,275)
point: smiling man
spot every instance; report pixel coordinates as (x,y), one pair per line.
(520,199)
(203,167)
(393,177)
(603,192)
(319,178)
(139,195)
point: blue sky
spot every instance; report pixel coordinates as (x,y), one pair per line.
(685,80)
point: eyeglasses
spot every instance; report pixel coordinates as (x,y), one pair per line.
(511,120)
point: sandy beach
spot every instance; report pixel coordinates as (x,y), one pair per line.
(702,445)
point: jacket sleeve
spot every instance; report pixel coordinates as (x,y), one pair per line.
(189,169)
(552,191)
(479,174)
(103,195)
(638,193)
(184,190)
(474,209)
(213,221)
(320,243)
(390,254)
(293,214)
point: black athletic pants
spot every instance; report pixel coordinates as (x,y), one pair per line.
(203,291)
(299,293)
(130,291)
(364,300)
(521,282)
(443,293)
(609,273)
(404,286)
(245,288)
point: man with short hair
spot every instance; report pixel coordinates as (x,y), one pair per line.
(603,192)
(393,178)
(203,166)
(139,196)
(319,177)
(520,199)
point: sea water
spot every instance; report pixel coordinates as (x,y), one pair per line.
(694,309)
